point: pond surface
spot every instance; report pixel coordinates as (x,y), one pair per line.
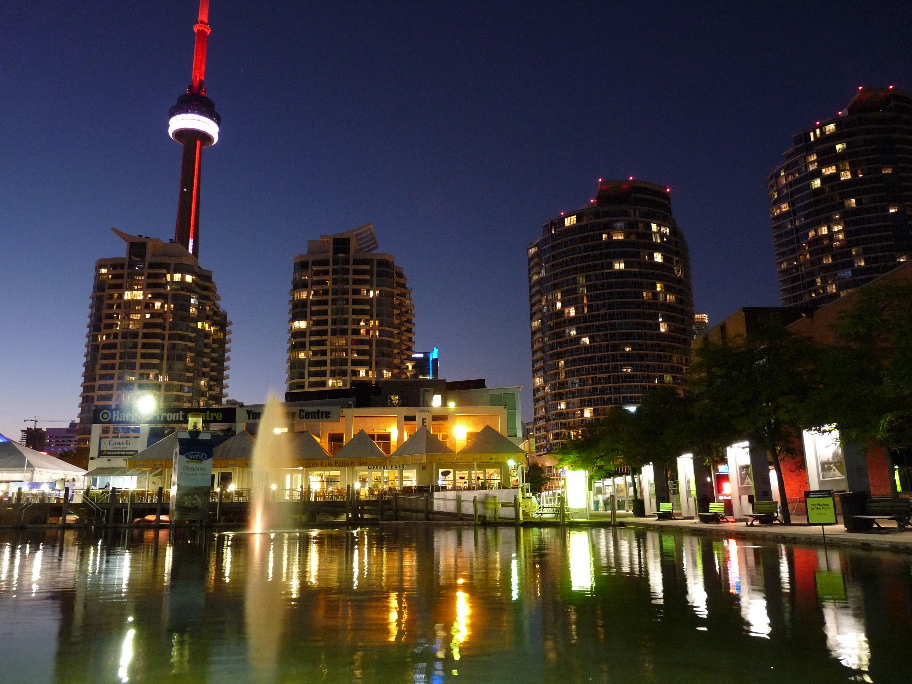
(432,604)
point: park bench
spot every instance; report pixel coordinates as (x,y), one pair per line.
(764,512)
(716,513)
(883,508)
(665,512)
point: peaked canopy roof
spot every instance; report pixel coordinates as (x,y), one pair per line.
(490,441)
(360,446)
(240,446)
(306,447)
(421,443)
(14,456)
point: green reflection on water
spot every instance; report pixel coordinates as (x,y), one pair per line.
(430,603)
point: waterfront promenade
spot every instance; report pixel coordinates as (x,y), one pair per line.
(888,538)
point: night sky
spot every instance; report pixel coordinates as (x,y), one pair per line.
(456,128)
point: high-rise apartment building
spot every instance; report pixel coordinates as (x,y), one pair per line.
(841,202)
(351,314)
(156,329)
(611,308)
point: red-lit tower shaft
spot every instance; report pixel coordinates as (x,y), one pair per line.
(194,124)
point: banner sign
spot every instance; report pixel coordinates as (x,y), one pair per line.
(821,507)
(302,414)
(191,479)
(167,416)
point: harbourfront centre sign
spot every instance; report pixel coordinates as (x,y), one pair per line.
(168,416)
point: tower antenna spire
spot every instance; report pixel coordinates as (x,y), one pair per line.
(194,123)
(198,78)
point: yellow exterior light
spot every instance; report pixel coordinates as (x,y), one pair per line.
(460,432)
(437,401)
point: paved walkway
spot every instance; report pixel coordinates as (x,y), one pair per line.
(890,537)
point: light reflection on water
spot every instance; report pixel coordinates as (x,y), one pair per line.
(441,604)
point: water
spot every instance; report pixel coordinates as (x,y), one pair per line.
(270,460)
(433,604)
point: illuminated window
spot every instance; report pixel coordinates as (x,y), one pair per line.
(850,202)
(840,147)
(845,175)
(569,220)
(663,327)
(892,209)
(562,405)
(660,287)
(618,264)
(827,170)
(387,374)
(828,258)
(627,369)
(671,298)
(299,325)
(811,157)
(570,311)
(571,332)
(815,183)
(831,288)
(887,169)
(657,256)
(811,233)
(824,230)
(829,128)
(584,340)
(617,235)
(587,413)
(647,295)
(628,348)
(668,379)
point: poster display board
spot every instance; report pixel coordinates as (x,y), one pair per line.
(191,478)
(821,507)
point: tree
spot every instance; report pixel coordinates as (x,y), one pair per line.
(868,379)
(757,387)
(536,478)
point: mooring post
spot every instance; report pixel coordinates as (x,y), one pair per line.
(348,502)
(158,505)
(560,504)
(218,506)
(396,506)
(517,510)
(427,508)
(459,507)
(129,519)
(475,508)
(614,507)
(65,505)
(112,497)
(17,507)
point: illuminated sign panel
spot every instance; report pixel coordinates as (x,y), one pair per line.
(166,416)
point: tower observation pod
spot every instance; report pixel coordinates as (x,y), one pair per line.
(193,123)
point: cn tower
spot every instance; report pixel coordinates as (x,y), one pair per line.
(194,123)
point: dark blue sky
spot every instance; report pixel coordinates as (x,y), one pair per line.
(457,129)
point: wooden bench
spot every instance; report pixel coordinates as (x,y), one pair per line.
(716,514)
(764,512)
(888,509)
(665,512)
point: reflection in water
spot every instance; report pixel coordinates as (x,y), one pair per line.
(449,604)
(264,606)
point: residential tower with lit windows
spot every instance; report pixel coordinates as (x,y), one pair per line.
(351,314)
(841,202)
(611,308)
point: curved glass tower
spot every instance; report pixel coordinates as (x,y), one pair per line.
(611,307)
(841,202)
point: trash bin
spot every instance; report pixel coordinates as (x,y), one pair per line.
(639,508)
(853,503)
